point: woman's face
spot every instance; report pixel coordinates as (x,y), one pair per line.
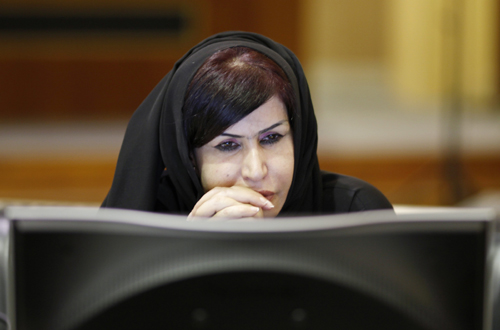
(256,152)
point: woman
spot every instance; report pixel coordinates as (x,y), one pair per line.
(231,132)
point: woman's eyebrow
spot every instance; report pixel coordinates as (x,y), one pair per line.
(260,132)
(272,126)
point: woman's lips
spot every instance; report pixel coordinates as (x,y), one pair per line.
(267,194)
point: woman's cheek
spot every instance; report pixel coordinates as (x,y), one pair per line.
(217,175)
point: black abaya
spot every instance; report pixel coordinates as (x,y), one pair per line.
(154,171)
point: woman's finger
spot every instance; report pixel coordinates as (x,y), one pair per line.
(241,194)
(237,211)
(216,199)
(215,204)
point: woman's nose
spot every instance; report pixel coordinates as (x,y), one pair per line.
(254,166)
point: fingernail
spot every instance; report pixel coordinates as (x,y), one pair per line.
(255,209)
(267,204)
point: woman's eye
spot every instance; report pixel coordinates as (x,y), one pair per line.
(271,138)
(227,146)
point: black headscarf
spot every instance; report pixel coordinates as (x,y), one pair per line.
(155,139)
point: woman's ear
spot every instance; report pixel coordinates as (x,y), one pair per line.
(193,161)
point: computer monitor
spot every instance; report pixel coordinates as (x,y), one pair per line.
(4,256)
(79,269)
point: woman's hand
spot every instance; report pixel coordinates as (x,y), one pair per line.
(230,202)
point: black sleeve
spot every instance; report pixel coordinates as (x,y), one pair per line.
(342,194)
(166,196)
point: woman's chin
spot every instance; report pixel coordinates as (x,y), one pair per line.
(271,213)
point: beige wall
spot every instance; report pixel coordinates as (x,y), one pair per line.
(438,47)
(414,47)
(415,41)
(343,44)
(343,30)
(481,50)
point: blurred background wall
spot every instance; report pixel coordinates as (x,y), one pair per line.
(406,92)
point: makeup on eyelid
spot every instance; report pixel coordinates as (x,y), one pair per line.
(258,133)
(269,139)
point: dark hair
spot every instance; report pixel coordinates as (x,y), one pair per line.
(228,86)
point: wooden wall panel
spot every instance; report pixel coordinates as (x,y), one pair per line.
(412,181)
(277,19)
(420,181)
(48,89)
(61,180)
(106,75)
